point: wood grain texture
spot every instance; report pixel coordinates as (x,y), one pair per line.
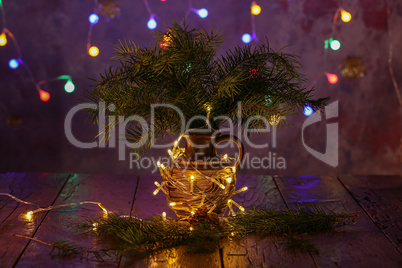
(257,251)
(39,188)
(115,192)
(358,245)
(381,199)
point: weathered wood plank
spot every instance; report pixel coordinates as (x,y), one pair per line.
(358,245)
(39,188)
(115,192)
(381,199)
(257,251)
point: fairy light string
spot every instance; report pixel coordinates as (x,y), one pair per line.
(254,11)
(224,180)
(30,214)
(16,62)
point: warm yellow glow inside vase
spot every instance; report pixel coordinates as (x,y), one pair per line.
(196,176)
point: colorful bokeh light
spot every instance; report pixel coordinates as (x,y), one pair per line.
(345,16)
(246,38)
(255,9)
(93,51)
(44,95)
(334,44)
(203,13)
(3,39)
(69,86)
(308,110)
(152,23)
(93,18)
(13,63)
(332,78)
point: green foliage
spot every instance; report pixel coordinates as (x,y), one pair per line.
(188,74)
(118,235)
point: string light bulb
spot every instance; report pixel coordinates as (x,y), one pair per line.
(69,86)
(93,51)
(345,16)
(246,38)
(151,24)
(332,78)
(334,44)
(203,13)
(93,18)
(44,95)
(307,110)
(164,216)
(3,39)
(255,9)
(13,63)
(29,215)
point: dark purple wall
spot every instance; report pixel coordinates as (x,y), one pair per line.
(52,36)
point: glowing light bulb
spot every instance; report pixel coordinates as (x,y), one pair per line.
(332,78)
(175,143)
(191,228)
(151,24)
(246,38)
(222,186)
(164,216)
(229,180)
(244,188)
(225,157)
(308,110)
(233,169)
(345,16)
(241,208)
(334,44)
(158,163)
(203,13)
(29,215)
(93,18)
(192,212)
(93,51)
(13,63)
(255,9)
(69,86)
(44,95)
(172,204)
(3,39)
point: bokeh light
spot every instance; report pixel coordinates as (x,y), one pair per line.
(13,64)
(246,38)
(93,18)
(93,51)
(151,23)
(345,16)
(255,9)
(69,86)
(308,110)
(3,39)
(44,95)
(335,44)
(203,13)
(332,78)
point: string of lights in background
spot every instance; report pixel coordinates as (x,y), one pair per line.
(111,9)
(14,63)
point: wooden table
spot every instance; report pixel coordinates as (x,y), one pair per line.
(374,241)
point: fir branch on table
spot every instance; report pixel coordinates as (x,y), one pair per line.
(188,74)
(117,235)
